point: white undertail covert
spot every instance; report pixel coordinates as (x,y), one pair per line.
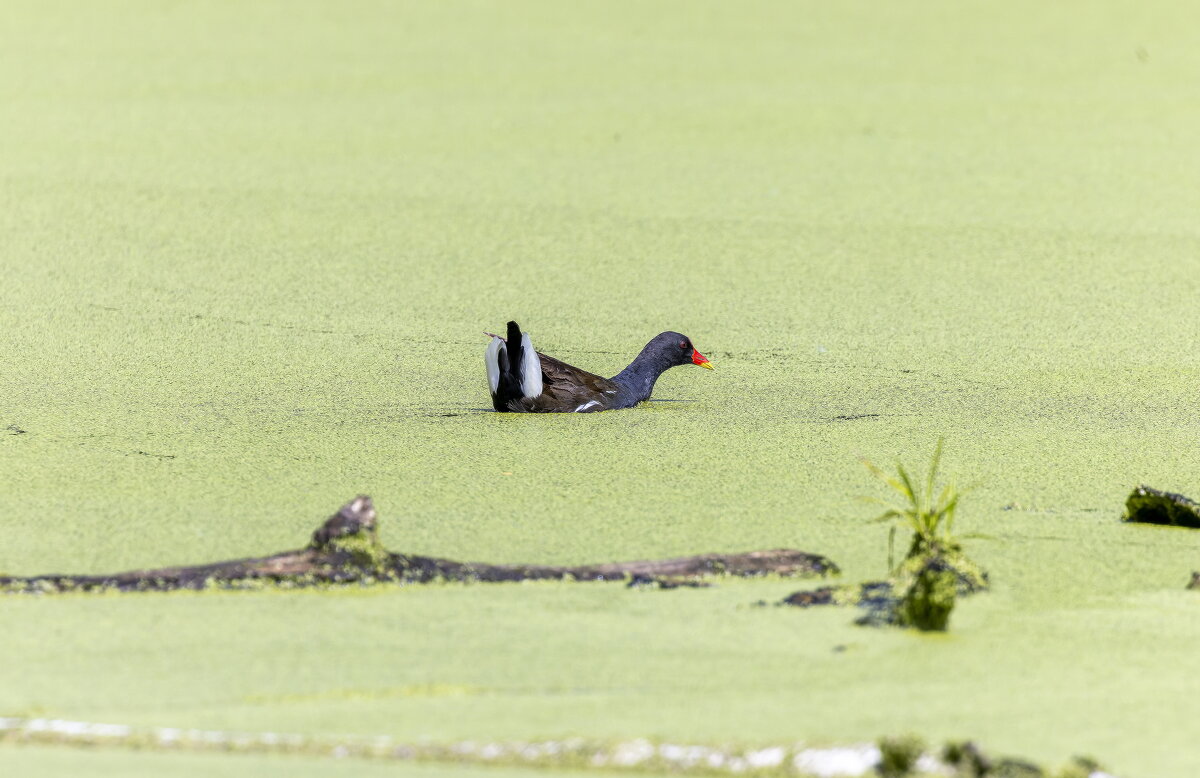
(491,356)
(531,368)
(531,365)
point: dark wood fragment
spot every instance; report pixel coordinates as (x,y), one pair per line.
(346,549)
(1154,506)
(810,597)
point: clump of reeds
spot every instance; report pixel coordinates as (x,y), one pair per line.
(934,570)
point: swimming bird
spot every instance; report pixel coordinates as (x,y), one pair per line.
(525,381)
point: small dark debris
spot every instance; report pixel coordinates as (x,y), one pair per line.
(855,416)
(876,590)
(155,456)
(643,581)
(807,599)
(356,516)
(881,602)
(1195,584)
(15,430)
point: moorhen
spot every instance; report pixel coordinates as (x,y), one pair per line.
(524,381)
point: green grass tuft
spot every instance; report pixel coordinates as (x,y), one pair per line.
(930,518)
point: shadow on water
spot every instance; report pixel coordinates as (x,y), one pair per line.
(459,411)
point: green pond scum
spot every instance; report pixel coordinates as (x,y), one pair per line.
(249,251)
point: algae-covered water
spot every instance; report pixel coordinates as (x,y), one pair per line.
(249,249)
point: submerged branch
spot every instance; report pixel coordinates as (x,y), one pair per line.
(346,549)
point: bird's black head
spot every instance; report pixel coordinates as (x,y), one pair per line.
(677,349)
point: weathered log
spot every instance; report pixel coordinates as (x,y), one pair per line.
(1152,506)
(346,549)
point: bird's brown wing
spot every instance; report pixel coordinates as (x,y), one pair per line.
(566,389)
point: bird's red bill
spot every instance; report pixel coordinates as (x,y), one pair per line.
(701,360)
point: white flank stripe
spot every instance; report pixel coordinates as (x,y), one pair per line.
(585,406)
(531,368)
(491,356)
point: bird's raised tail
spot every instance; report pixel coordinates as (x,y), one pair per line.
(513,367)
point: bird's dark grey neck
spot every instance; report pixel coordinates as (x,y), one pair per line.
(636,382)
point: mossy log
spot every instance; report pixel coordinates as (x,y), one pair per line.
(346,549)
(1151,506)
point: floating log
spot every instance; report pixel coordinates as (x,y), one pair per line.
(1152,506)
(346,549)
